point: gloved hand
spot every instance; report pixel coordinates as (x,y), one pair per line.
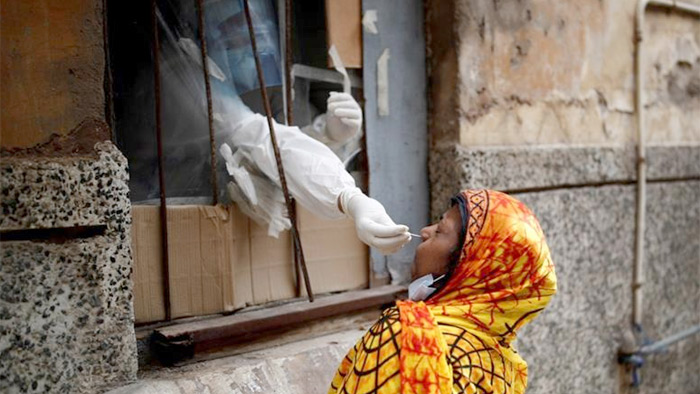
(373,225)
(343,117)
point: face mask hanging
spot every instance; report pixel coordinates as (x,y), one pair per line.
(420,289)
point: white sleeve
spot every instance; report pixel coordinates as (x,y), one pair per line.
(315,175)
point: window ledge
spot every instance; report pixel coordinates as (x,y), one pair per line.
(182,343)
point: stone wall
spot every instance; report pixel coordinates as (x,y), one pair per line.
(537,99)
(66,316)
(573,346)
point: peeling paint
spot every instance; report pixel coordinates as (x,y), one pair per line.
(80,141)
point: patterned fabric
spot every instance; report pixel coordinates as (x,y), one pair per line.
(373,364)
(424,367)
(460,340)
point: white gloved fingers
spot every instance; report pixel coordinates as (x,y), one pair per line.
(347,113)
(381,230)
(342,107)
(373,225)
(346,106)
(389,245)
(344,100)
(354,123)
(343,104)
(384,243)
(339,97)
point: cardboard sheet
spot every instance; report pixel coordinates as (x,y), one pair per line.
(221,261)
(147,275)
(271,265)
(336,259)
(344,30)
(209,263)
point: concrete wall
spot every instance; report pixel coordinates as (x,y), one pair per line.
(536,98)
(66,316)
(572,347)
(52,68)
(590,228)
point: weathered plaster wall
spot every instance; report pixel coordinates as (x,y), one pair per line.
(537,72)
(538,99)
(51,69)
(66,316)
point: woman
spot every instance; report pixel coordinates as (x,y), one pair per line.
(493,274)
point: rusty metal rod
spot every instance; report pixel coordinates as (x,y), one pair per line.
(278,158)
(210,110)
(161,166)
(297,257)
(297,262)
(288,59)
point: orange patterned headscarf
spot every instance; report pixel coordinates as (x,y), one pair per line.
(461,338)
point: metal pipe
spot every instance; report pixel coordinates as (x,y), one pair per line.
(210,110)
(281,31)
(285,19)
(288,60)
(633,357)
(642,5)
(664,343)
(278,157)
(155,47)
(641,171)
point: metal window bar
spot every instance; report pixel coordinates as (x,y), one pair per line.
(288,100)
(210,110)
(159,141)
(298,250)
(299,260)
(284,20)
(288,57)
(155,47)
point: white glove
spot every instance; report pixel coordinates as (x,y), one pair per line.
(373,225)
(343,117)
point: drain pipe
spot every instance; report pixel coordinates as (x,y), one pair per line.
(641,166)
(631,354)
(642,5)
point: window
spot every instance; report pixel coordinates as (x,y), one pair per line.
(217,259)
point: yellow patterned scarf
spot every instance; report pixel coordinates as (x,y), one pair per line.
(460,339)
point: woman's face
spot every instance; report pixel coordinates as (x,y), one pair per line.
(439,241)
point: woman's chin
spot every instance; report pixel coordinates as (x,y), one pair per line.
(413,271)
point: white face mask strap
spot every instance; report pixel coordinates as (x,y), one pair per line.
(419,290)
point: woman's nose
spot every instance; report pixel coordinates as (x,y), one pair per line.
(425,232)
